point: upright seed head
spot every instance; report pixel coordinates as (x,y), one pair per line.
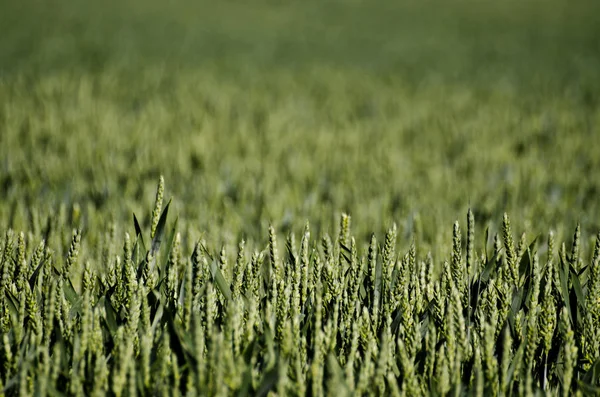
(372,261)
(157,205)
(570,352)
(536,279)
(575,247)
(595,266)
(505,381)
(304,264)
(21,268)
(73,253)
(457,268)
(470,240)
(548,312)
(238,271)
(344,229)
(478,374)
(509,245)
(521,249)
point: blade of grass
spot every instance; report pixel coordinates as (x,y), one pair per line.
(220,280)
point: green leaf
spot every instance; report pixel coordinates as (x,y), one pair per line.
(157,317)
(220,280)
(35,274)
(167,252)
(180,342)
(577,287)
(346,253)
(206,252)
(140,268)
(592,376)
(486,236)
(564,287)
(488,268)
(515,306)
(70,293)
(138,229)
(362,291)
(137,246)
(588,389)
(398,318)
(290,252)
(76,309)
(475,293)
(525,268)
(518,356)
(111,316)
(12,303)
(55,271)
(268,382)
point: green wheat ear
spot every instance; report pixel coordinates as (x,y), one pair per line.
(509,245)
(569,352)
(73,253)
(344,229)
(332,320)
(157,205)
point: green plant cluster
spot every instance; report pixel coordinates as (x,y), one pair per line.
(263,115)
(313,316)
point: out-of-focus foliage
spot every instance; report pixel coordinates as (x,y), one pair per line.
(287,111)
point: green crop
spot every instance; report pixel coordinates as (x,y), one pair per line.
(324,317)
(304,238)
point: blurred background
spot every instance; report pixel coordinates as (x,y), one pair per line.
(280,112)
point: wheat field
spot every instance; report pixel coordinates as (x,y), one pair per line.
(274,198)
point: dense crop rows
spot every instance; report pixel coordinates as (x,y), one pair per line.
(317,316)
(276,123)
